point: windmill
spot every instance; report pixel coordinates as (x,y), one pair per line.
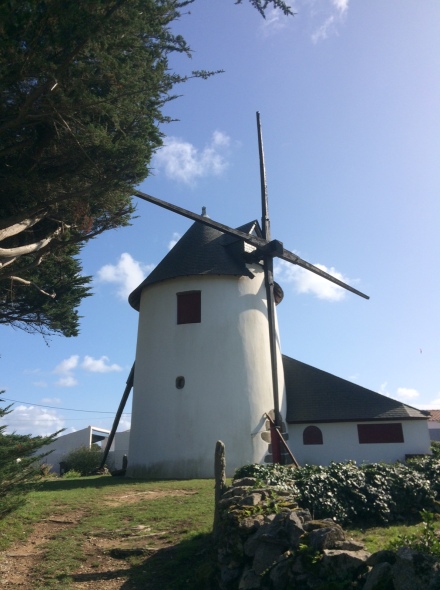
(261,251)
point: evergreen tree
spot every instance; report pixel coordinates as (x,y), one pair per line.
(83,85)
(20,465)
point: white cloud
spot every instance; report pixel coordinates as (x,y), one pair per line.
(127,273)
(67,365)
(323,31)
(383,389)
(124,423)
(184,162)
(176,237)
(65,369)
(341,5)
(274,22)
(335,12)
(40,383)
(433,404)
(30,419)
(99,365)
(66,381)
(305,281)
(406,393)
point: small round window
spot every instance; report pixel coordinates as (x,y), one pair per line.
(180,382)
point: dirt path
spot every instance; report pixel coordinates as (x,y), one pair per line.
(106,552)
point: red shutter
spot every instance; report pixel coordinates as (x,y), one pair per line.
(312,435)
(189,307)
(380,433)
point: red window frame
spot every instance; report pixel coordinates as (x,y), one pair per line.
(189,307)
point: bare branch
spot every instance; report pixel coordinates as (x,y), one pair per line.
(32,284)
(7,253)
(17,228)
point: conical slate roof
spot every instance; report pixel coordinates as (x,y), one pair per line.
(202,250)
(316,396)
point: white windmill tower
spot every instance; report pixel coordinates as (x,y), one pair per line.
(203,365)
(208,360)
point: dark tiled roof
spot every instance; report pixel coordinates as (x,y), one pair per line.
(316,396)
(202,250)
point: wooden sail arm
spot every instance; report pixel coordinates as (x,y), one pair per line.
(273,248)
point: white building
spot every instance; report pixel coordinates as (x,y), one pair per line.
(85,438)
(66,443)
(203,374)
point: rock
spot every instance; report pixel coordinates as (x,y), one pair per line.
(251,499)
(240,491)
(319,524)
(261,551)
(294,528)
(344,564)
(267,555)
(325,538)
(380,578)
(415,571)
(245,481)
(229,574)
(348,545)
(304,515)
(249,580)
(250,524)
(279,574)
(385,555)
(251,543)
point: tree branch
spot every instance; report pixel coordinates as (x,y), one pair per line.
(17,228)
(7,253)
(32,284)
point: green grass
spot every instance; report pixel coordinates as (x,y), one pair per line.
(170,549)
(176,514)
(377,538)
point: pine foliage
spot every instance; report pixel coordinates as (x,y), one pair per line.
(83,85)
(20,465)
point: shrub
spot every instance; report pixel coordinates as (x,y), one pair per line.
(429,467)
(84,460)
(348,493)
(72,474)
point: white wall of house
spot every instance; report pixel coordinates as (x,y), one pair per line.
(119,448)
(68,442)
(225,361)
(341,443)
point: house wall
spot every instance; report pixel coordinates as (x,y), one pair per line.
(341,443)
(119,448)
(225,361)
(66,443)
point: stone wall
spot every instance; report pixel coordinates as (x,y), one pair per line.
(266,542)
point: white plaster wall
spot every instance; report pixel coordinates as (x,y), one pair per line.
(120,448)
(68,442)
(341,443)
(225,361)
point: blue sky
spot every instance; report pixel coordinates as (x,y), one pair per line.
(349,96)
